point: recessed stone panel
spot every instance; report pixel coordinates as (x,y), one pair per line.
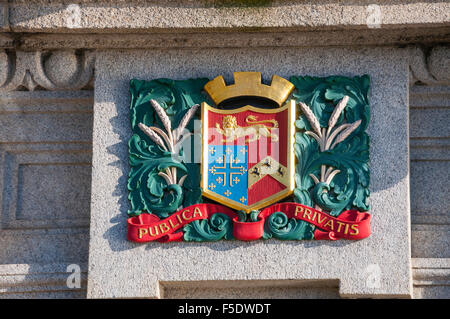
(44,188)
(52,191)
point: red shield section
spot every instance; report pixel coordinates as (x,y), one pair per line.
(249,151)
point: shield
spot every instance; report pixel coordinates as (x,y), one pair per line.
(247,155)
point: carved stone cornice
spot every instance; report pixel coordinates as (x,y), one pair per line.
(221,39)
(208,15)
(124,24)
(72,69)
(431,66)
(50,70)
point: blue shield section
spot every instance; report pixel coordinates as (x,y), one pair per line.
(227,171)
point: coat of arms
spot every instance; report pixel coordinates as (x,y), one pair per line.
(248,160)
(247,156)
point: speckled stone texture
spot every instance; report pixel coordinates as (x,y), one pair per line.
(3,16)
(125,15)
(378,266)
(45,156)
(256,290)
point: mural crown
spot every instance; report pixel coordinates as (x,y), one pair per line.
(249,84)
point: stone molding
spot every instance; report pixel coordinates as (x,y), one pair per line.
(120,24)
(431,271)
(70,69)
(230,39)
(430,67)
(39,280)
(169,15)
(50,70)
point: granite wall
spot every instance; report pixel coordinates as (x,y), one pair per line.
(45,171)
(47,73)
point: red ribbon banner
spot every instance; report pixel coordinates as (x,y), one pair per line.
(350,224)
(148,227)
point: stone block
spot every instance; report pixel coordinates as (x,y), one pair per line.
(107,16)
(378,266)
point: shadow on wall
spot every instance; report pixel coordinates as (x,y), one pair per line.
(116,235)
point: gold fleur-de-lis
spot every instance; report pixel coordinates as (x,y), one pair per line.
(236,180)
(228,193)
(211,186)
(242,199)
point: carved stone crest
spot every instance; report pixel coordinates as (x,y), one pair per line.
(285,160)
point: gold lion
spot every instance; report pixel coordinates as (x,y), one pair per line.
(232,131)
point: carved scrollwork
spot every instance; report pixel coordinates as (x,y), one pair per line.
(431,67)
(331,145)
(50,70)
